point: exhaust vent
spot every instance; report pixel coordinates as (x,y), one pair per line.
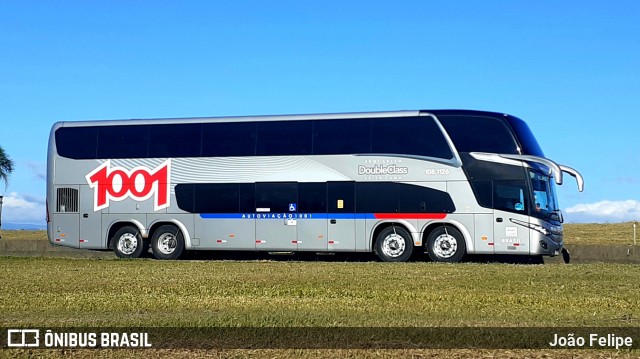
(67,200)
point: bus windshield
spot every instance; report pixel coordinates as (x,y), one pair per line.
(545,199)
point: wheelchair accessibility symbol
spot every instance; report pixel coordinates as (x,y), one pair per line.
(293,207)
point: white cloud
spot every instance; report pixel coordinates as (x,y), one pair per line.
(23,209)
(604,211)
(38,169)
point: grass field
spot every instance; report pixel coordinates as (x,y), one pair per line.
(265,293)
(103,292)
(92,292)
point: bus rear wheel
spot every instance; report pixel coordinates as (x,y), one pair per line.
(446,244)
(394,244)
(167,242)
(127,243)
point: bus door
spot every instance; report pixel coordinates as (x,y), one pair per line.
(90,221)
(341,216)
(312,217)
(276,222)
(510,204)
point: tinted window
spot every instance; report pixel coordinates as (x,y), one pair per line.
(208,197)
(229,139)
(247,197)
(217,198)
(510,196)
(376,197)
(479,134)
(527,140)
(123,141)
(342,137)
(284,138)
(409,135)
(341,197)
(276,197)
(483,191)
(175,140)
(77,142)
(184,196)
(312,197)
(418,199)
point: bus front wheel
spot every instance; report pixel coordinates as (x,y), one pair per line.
(127,243)
(167,242)
(394,244)
(446,244)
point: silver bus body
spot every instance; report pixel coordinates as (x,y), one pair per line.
(296,190)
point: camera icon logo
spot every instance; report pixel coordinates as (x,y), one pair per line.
(23,338)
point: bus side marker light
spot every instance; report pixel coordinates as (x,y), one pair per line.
(490,243)
(484,238)
(221,241)
(334,242)
(259,241)
(232,235)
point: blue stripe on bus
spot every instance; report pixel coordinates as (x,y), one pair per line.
(268,215)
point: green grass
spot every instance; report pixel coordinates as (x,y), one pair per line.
(23,235)
(600,233)
(94,292)
(55,292)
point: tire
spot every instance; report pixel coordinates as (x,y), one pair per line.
(127,243)
(446,244)
(167,242)
(394,244)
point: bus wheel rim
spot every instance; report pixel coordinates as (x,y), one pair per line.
(167,243)
(445,246)
(127,243)
(393,245)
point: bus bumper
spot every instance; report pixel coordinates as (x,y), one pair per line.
(551,245)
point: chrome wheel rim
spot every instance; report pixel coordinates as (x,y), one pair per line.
(127,243)
(445,246)
(393,245)
(167,243)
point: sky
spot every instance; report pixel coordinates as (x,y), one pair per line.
(570,69)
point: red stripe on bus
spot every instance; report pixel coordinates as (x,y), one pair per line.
(410,215)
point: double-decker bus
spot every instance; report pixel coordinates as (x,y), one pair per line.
(444,182)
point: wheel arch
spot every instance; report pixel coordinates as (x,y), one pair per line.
(382,225)
(429,227)
(116,225)
(185,233)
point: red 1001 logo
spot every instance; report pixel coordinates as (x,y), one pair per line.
(140,183)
